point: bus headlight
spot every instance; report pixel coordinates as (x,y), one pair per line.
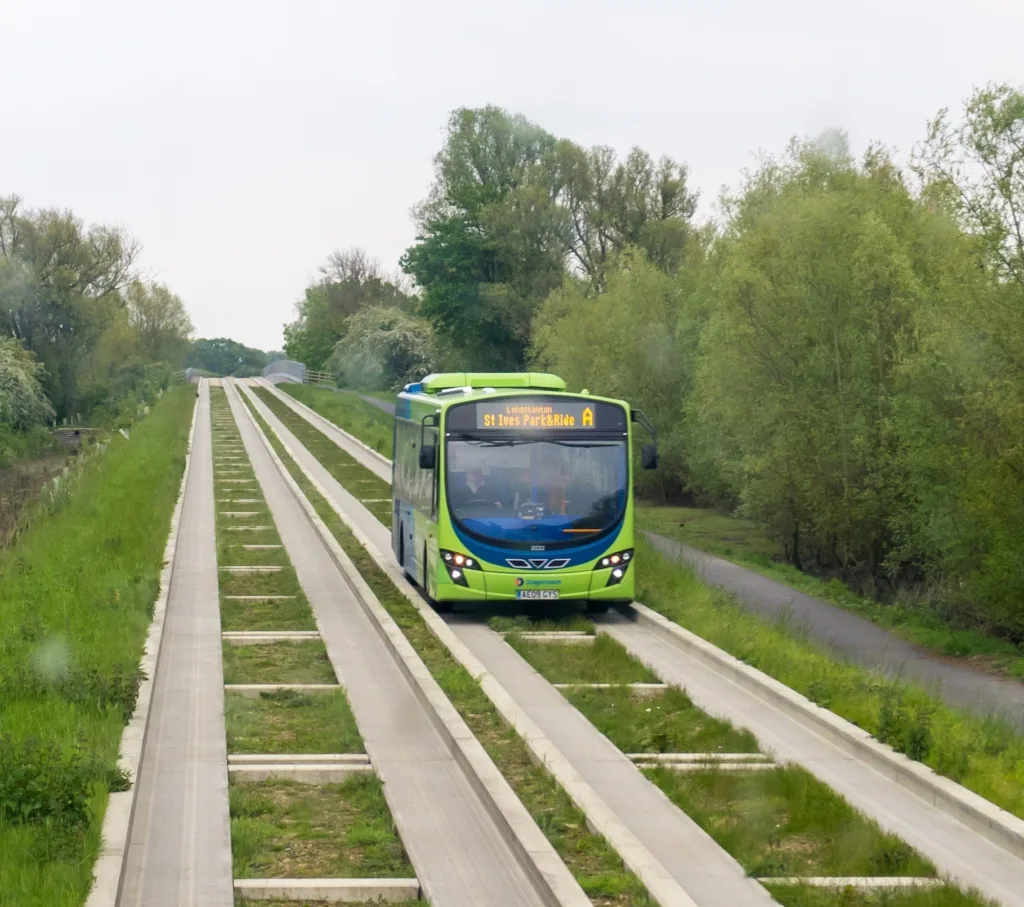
(457,564)
(618,563)
(457,559)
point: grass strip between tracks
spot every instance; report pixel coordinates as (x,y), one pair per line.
(287,830)
(589,857)
(284,829)
(291,722)
(76,598)
(984,755)
(803,896)
(367,422)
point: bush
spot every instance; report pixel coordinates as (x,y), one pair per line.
(42,783)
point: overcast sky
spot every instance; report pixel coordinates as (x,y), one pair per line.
(242,141)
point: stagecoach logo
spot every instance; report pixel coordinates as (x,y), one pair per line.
(537,563)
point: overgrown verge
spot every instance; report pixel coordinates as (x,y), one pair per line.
(919,619)
(369,424)
(985,755)
(76,598)
(596,866)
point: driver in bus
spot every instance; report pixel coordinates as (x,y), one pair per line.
(477,488)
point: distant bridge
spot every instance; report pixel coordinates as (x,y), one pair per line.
(286,371)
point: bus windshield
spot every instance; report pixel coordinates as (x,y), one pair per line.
(523,491)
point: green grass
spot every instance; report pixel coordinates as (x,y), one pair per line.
(369,424)
(666,723)
(279,662)
(76,598)
(592,861)
(288,721)
(783,822)
(355,478)
(744,543)
(944,896)
(283,583)
(528,623)
(282,829)
(603,661)
(244,902)
(266,615)
(984,755)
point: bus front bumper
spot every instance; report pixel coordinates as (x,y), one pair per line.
(589,585)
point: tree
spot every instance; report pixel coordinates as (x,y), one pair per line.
(825,272)
(160,321)
(492,241)
(22,401)
(69,283)
(635,341)
(225,357)
(350,281)
(384,347)
(974,169)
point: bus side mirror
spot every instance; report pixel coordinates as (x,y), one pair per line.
(649,456)
(428,456)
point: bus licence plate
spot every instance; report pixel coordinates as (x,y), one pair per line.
(537,593)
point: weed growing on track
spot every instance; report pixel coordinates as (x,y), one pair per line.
(76,598)
(289,721)
(602,661)
(596,866)
(369,424)
(985,756)
(286,830)
(783,822)
(665,723)
(357,479)
(266,615)
(232,537)
(804,896)
(278,662)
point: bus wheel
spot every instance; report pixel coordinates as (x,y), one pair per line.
(401,555)
(439,607)
(597,607)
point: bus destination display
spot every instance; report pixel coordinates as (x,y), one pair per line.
(519,414)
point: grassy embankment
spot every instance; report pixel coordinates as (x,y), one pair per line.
(744,543)
(284,829)
(984,755)
(76,598)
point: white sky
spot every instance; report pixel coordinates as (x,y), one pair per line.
(242,141)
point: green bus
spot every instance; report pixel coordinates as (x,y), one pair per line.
(505,487)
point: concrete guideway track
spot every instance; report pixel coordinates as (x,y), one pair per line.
(460,855)
(179,845)
(957,849)
(673,850)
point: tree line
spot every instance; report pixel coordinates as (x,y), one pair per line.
(836,355)
(82,336)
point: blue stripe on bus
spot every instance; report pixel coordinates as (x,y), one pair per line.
(492,554)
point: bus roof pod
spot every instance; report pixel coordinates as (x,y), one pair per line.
(433,384)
